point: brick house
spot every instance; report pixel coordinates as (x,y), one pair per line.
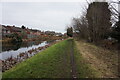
(8,30)
(5,31)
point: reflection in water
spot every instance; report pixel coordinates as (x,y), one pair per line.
(9,50)
(22,52)
(50,41)
(8,46)
(11,61)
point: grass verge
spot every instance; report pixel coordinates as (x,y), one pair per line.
(103,61)
(84,70)
(53,62)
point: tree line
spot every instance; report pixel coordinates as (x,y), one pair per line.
(98,22)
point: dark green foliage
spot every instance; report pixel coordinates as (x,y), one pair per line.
(15,38)
(70,31)
(23,27)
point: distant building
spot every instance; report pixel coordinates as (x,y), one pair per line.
(29,33)
(5,31)
(8,30)
(25,33)
(58,34)
(65,34)
(50,32)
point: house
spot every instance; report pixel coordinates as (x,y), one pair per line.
(50,32)
(65,34)
(29,33)
(58,34)
(14,29)
(25,33)
(5,31)
(8,30)
(34,33)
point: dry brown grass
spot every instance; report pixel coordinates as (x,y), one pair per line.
(102,60)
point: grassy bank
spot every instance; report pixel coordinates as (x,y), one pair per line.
(104,61)
(54,62)
(84,70)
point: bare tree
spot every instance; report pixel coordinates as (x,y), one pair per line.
(114,7)
(80,27)
(115,19)
(94,24)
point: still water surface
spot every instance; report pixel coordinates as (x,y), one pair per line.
(13,50)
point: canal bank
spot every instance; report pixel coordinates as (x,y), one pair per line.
(54,62)
(12,50)
(46,64)
(11,58)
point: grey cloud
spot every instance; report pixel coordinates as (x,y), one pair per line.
(42,16)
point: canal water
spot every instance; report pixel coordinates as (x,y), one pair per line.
(12,50)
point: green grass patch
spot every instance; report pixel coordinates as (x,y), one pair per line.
(54,62)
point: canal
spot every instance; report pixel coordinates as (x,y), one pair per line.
(12,50)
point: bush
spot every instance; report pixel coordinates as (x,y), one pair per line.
(70,31)
(15,38)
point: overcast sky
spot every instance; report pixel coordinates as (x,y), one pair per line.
(53,16)
(40,15)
